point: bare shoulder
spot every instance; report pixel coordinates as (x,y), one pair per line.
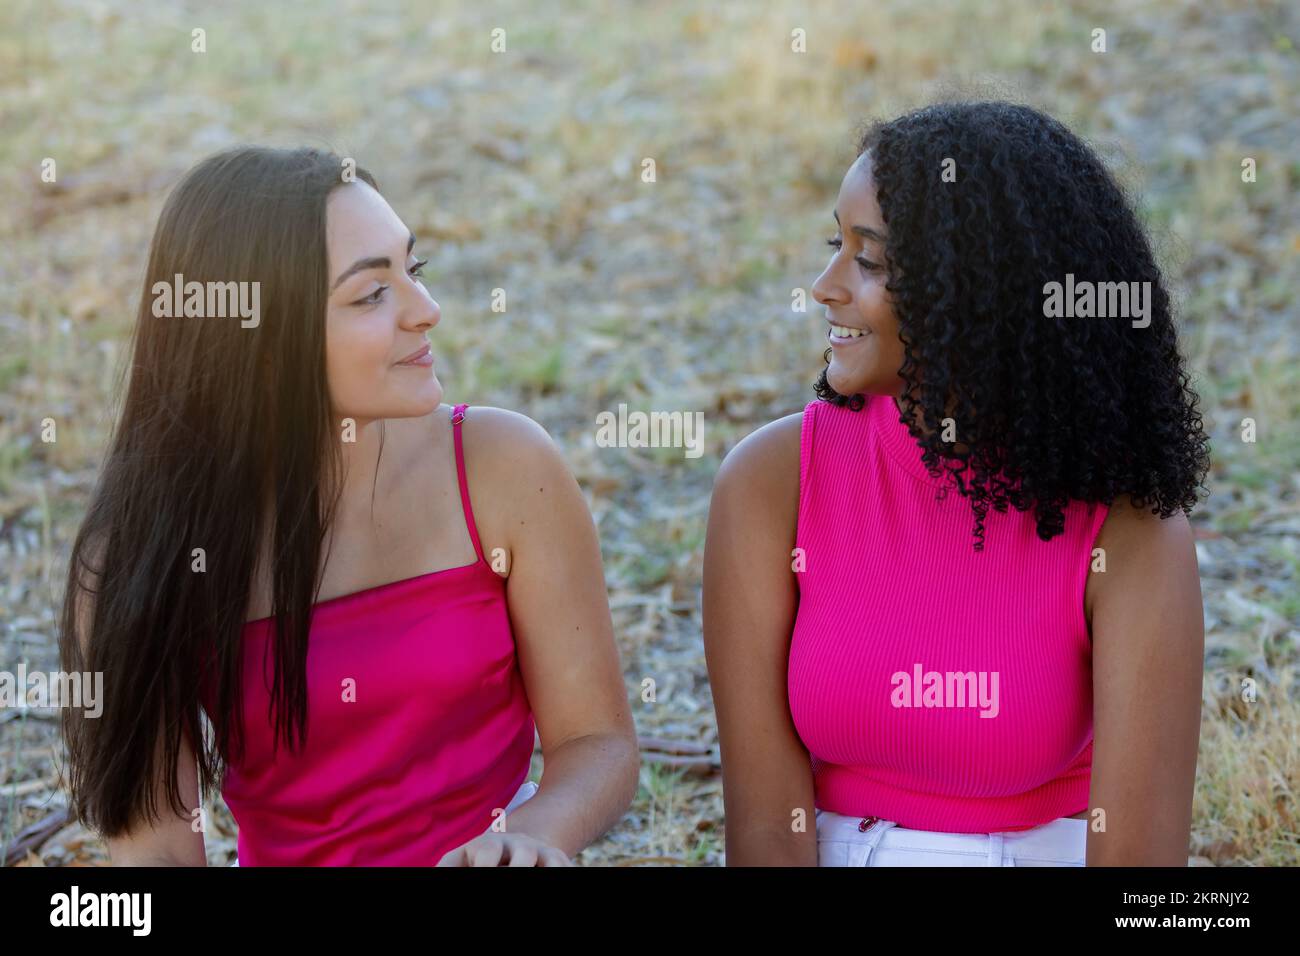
(501,442)
(1148,558)
(1129,530)
(512,465)
(764,465)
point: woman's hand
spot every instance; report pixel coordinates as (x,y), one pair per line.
(505,849)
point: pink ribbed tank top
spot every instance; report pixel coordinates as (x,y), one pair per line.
(440,732)
(938,687)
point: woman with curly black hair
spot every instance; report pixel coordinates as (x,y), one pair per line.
(934,681)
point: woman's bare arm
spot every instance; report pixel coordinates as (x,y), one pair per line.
(559,610)
(1148,646)
(172,840)
(750,599)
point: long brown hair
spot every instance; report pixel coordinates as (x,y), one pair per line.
(226,426)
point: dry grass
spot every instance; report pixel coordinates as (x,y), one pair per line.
(520,171)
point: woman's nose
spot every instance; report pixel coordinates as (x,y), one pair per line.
(822,290)
(425,313)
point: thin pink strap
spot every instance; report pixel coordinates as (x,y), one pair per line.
(458,416)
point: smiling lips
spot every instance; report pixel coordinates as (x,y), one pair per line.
(422,357)
(844,334)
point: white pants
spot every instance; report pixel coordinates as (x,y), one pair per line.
(871,841)
(526,790)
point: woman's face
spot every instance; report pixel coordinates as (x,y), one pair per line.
(377,358)
(852,288)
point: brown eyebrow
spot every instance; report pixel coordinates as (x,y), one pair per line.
(376,262)
(864,231)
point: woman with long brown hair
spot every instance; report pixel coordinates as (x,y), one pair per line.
(282,540)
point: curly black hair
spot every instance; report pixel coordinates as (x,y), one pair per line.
(1049,409)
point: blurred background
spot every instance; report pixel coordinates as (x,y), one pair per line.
(522,170)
